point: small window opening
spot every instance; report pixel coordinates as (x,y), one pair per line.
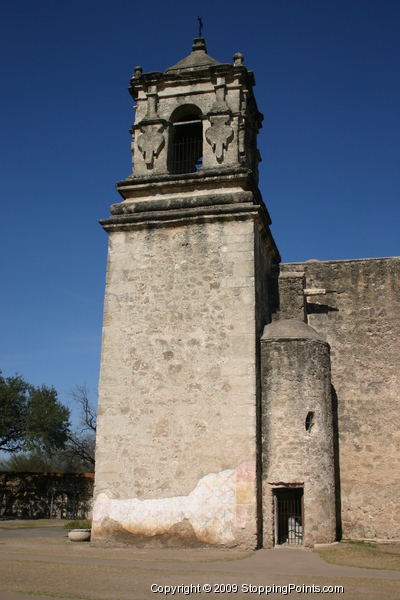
(186,151)
(309,421)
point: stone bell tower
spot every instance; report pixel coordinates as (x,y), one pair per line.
(190,250)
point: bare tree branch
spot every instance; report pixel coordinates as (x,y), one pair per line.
(82,447)
(81,443)
(80,395)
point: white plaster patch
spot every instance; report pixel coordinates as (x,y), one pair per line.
(219,503)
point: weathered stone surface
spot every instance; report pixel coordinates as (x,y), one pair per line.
(216,512)
(360,318)
(290,303)
(177,395)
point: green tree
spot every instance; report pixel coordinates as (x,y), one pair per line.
(31,417)
(39,461)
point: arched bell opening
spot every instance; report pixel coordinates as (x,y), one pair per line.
(186,147)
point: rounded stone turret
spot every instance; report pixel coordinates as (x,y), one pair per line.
(297,432)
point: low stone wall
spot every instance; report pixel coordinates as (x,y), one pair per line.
(45,495)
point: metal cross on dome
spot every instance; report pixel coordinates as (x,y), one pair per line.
(200,26)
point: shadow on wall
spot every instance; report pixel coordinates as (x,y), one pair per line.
(336,459)
(318,309)
(45,495)
(273,290)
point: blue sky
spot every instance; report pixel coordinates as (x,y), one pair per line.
(328,83)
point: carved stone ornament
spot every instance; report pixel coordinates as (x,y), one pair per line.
(219,134)
(151,142)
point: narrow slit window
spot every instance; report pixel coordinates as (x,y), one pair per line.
(309,421)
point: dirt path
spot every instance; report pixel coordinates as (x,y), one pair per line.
(53,567)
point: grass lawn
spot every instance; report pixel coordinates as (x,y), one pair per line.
(368,555)
(32,523)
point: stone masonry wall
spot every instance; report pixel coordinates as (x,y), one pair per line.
(176,440)
(360,318)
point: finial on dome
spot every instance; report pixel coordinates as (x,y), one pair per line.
(238,59)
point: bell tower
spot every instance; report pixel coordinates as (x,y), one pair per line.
(178,456)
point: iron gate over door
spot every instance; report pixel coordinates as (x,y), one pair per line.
(288,508)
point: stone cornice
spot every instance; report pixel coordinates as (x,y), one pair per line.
(141,81)
(217,179)
(217,204)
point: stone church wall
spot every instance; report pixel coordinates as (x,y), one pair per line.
(359,317)
(176,441)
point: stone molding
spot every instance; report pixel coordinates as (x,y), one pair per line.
(229,211)
(186,201)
